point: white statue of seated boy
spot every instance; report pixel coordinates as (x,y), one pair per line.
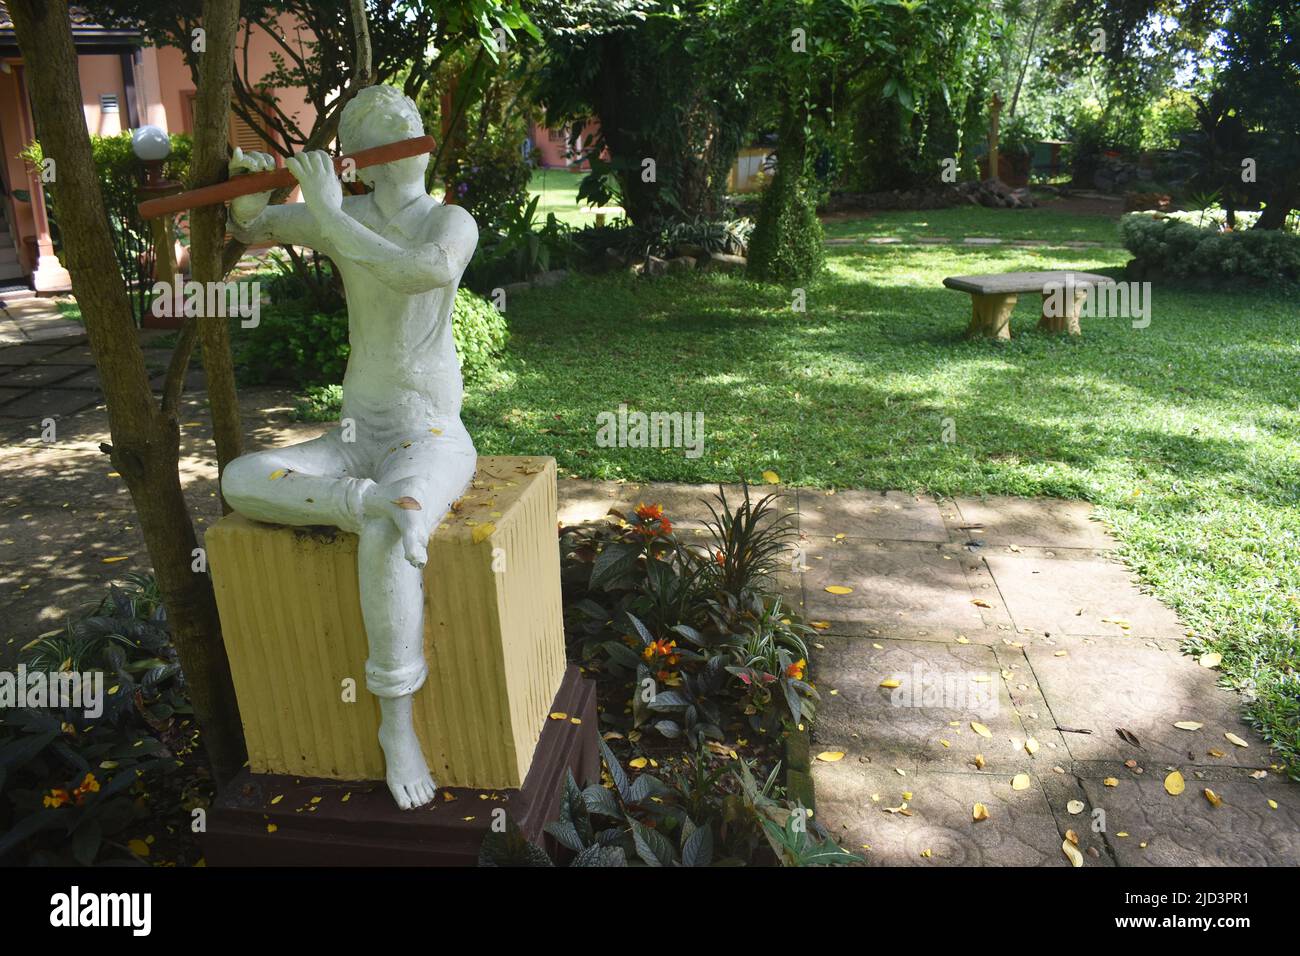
(406,457)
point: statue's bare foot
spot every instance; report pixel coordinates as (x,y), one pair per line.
(396,502)
(406,772)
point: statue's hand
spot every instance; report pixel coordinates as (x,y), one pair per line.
(321,189)
(248,208)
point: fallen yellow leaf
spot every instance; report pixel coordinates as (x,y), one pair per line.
(891,682)
(838,589)
(830,756)
(1234,739)
(1188,724)
(1212,659)
(1214,798)
(1072,853)
(980,729)
(138,847)
(1020,781)
(1031,746)
(482,532)
(1175,784)
(1111,782)
(637,763)
(771,477)
(980,812)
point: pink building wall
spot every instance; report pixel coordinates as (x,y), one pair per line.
(163,91)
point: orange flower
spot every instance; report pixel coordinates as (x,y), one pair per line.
(719,557)
(57,797)
(649,512)
(797,669)
(87,786)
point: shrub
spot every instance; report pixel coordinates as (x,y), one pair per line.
(298,346)
(787,242)
(119,173)
(490,180)
(75,787)
(1172,246)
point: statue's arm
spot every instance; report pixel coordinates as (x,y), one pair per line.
(290,224)
(430,265)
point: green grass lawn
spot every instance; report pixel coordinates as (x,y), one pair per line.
(558,189)
(958,222)
(1186,434)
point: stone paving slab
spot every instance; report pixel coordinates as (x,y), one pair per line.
(1187,830)
(1079,598)
(925,722)
(889,516)
(35,375)
(1114,685)
(1020,831)
(1034,522)
(911,585)
(40,403)
(28,354)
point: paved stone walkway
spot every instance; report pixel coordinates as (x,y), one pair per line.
(1007,613)
(1011,614)
(27,318)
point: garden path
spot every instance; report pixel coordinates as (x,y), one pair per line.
(962,602)
(1022,649)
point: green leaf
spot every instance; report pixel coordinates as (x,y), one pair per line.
(652,847)
(697,850)
(596,855)
(613,565)
(600,800)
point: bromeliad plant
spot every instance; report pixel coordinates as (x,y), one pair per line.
(675,621)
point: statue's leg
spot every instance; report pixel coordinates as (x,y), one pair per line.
(313,482)
(425,474)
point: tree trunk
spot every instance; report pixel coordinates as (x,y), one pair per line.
(208,223)
(1277,207)
(146,438)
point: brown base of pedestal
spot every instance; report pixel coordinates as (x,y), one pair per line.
(271,819)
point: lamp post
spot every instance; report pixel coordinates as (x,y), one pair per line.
(152,146)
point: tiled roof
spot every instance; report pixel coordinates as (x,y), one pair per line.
(85,31)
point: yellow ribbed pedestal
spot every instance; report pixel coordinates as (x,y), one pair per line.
(493,636)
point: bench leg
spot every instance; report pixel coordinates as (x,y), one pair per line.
(1069,306)
(991,316)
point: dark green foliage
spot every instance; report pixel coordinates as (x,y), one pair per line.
(72,786)
(787,245)
(299,346)
(1174,247)
(660,79)
(120,173)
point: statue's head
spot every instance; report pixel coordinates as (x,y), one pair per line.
(379,115)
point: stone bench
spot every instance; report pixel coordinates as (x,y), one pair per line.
(993,297)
